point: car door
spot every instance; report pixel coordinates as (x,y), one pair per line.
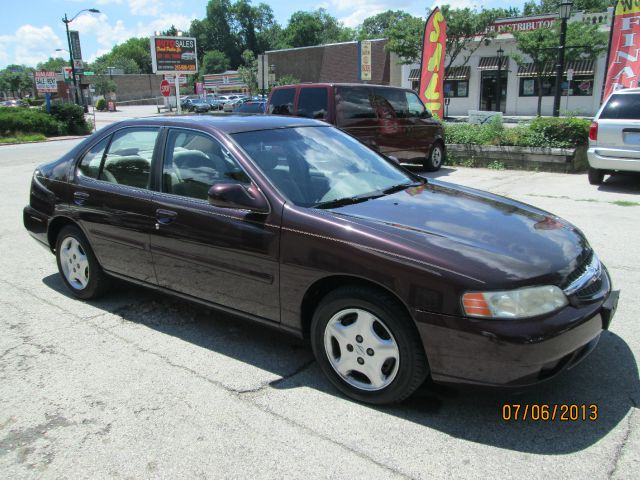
(225,256)
(111,198)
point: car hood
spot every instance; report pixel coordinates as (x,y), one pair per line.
(486,237)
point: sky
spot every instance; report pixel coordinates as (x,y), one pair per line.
(31,33)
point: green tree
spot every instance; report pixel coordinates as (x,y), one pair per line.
(136,49)
(17,80)
(104,85)
(377,26)
(541,46)
(214,61)
(315,28)
(249,71)
(53,64)
(553,6)
(285,80)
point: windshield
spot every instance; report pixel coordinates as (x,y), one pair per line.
(313,166)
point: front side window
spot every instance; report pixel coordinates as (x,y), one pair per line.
(90,163)
(391,98)
(128,161)
(415,105)
(194,162)
(315,165)
(312,103)
(282,101)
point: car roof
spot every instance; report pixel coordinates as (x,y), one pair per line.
(626,90)
(227,123)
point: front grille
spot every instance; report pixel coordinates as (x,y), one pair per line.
(580,270)
(594,290)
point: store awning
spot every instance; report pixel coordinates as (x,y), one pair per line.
(583,67)
(491,63)
(457,73)
(414,74)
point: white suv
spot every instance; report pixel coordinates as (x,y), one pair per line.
(614,137)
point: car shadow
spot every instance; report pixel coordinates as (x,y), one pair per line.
(419,170)
(608,378)
(628,182)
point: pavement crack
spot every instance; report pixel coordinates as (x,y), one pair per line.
(621,446)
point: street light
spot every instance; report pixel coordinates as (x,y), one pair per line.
(565,13)
(66,22)
(499,79)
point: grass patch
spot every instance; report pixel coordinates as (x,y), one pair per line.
(32,137)
(626,203)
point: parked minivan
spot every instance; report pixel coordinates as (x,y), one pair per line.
(391,120)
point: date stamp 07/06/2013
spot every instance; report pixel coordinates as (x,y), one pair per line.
(559,412)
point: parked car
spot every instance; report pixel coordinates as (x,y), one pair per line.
(294,224)
(15,103)
(614,137)
(390,120)
(214,103)
(250,107)
(232,104)
(196,105)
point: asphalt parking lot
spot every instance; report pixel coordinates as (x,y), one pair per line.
(140,385)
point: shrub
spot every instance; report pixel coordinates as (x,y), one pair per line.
(101,104)
(18,120)
(566,132)
(72,116)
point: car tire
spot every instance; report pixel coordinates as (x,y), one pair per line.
(78,265)
(596,176)
(347,328)
(435,159)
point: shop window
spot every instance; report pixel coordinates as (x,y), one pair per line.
(581,85)
(456,88)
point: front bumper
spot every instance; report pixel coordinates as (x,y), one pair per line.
(612,163)
(512,353)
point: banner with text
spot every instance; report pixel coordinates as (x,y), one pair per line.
(46,82)
(432,66)
(623,69)
(365,59)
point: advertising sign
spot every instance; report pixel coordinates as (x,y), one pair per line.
(623,60)
(46,82)
(172,79)
(365,60)
(200,88)
(174,54)
(432,66)
(76,52)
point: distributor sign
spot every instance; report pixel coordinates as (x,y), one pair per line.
(46,82)
(174,54)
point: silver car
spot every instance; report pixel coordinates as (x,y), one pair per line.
(614,137)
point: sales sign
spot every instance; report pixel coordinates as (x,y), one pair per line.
(365,60)
(432,66)
(46,82)
(174,54)
(623,69)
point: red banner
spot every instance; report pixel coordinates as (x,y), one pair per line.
(432,67)
(623,67)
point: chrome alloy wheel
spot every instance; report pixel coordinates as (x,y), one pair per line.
(361,349)
(74,262)
(436,156)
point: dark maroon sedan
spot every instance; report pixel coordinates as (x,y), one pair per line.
(292,223)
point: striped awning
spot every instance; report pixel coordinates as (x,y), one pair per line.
(491,63)
(452,73)
(414,74)
(457,73)
(582,67)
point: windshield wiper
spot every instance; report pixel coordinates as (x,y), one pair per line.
(341,202)
(400,187)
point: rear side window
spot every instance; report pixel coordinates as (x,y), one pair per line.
(622,107)
(312,103)
(390,98)
(90,163)
(354,103)
(282,101)
(128,161)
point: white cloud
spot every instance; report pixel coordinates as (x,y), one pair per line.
(181,22)
(29,45)
(99,27)
(149,8)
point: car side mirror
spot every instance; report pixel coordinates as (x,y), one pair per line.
(236,195)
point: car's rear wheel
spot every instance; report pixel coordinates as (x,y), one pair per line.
(78,266)
(366,345)
(595,176)
(435,159)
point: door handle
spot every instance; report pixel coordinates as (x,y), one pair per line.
(164,217)
(80,197)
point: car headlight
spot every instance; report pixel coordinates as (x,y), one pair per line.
(521,303)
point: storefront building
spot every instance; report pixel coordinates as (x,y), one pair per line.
(225,83)
(473,86)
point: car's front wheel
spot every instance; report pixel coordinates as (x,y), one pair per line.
(595,176)
(366,345)
(78,265)
(435,159)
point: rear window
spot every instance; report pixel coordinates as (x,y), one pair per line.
(282,101)
(312,103)
(354,103)
(622,106)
